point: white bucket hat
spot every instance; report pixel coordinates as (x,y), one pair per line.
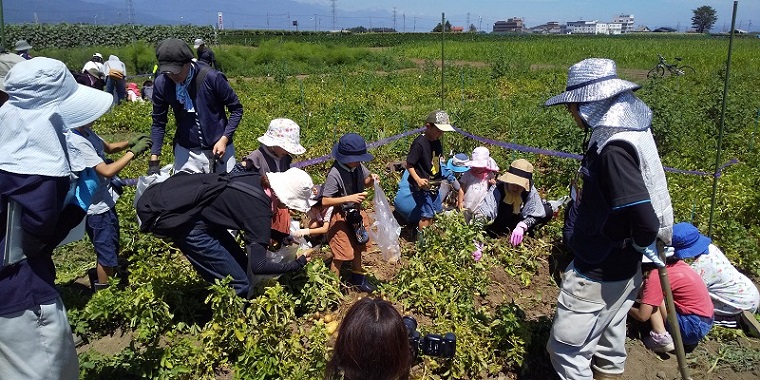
(44,82)
(22,45)
(605,100)
(592,80)
(284,133)
(7,61)
(481,158)
(198,42)
(294,188)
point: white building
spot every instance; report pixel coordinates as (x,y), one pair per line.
(626,22)
(594,27)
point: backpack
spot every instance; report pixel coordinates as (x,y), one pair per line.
(166,207)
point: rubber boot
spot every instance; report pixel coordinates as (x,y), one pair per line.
(360,282)
(92,275)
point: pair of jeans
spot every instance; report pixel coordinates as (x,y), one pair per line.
(215,254)
(117,88)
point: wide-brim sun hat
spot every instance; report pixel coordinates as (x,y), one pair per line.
(592,80)
(45,82)
(520,173)
(481,158)
(351,147)
(284,133)
(440,119)
(458,163)
(22,45)
(7,61)
(293,188)
(688,242)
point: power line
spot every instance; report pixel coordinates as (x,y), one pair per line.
(333,5)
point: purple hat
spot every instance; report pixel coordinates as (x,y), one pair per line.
(688,242)
(351,148)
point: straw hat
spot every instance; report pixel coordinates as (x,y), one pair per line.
(284,133)
(520,173)
(481,158)
(293,188)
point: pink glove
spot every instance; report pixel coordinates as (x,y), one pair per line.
(518,233)
(300,232)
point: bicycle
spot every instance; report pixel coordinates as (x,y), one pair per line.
(673,69)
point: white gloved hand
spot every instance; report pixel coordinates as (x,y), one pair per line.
(300,232)
(651,253)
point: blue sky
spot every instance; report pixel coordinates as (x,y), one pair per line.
(652,13)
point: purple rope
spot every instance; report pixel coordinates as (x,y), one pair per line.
(503,144)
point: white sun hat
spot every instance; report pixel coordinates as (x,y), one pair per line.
(294,188)
(284,133)
(7,61)
(481,158)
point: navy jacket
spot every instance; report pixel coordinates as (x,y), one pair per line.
(213,96)
(31,282)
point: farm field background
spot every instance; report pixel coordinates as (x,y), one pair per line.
(168,324)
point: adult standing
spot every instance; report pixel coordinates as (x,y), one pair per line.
(198,96)
(205,54)
(22,48)
(34,179)
(624,208)
(116,82)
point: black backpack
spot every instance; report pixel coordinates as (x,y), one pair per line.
(167,207)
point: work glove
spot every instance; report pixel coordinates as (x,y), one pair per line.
(141,146)
(300,232)
(154,167)
(137,138)
(651,253)
(518,234)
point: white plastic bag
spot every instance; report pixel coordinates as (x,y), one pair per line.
(146,180)
(285,254)
(385,231)
(302,243)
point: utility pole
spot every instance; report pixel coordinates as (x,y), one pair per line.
(315,22)
(333,6)
(130,13)
(394,18)
(370,23)
(414,29)
(403,17)
(2,26)
(467,27)
(267,19)
(480,25)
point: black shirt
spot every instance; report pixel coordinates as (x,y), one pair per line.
(425,157)
(612,185)
(237,210)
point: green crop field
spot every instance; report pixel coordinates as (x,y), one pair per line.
(380,86)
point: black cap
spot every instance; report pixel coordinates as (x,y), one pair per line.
(172,54)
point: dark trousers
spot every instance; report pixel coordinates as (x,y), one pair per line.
(215,254)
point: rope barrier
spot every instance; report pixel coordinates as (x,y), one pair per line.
(503,144)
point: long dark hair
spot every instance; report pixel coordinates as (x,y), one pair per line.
(372,344)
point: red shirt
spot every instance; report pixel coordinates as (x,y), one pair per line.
(689,291)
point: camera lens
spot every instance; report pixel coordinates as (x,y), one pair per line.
(411,324)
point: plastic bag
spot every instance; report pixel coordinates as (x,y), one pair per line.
(302,243)
(285,254)
(146,180)
(385,231)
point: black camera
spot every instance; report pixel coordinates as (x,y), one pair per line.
(354,218)
(117,184)
(431,344)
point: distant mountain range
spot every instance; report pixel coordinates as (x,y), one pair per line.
(236,14)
